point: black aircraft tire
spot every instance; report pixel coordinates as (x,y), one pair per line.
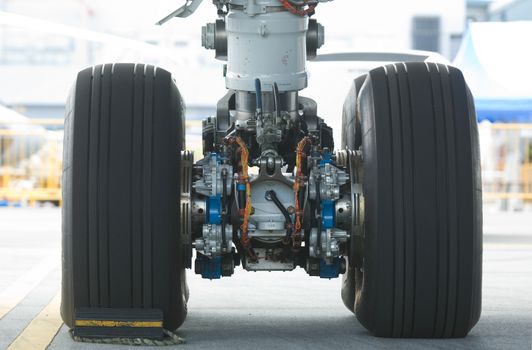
(422,260)
(351,129)
(121,193)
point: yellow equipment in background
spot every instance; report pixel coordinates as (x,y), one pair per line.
(30,172)
(506,164)
(30,162)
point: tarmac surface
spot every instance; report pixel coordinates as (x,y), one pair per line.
(258,310)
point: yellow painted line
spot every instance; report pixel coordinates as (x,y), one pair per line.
(41,330)
(17,291)
(107,323)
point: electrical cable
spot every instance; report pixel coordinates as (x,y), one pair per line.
(244,179)
(298,9)
(299,180)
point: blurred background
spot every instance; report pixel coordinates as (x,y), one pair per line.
(44,43)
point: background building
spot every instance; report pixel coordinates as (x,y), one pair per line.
(478,10)
(499,10)
(37,67)
(43,44)
(511,10)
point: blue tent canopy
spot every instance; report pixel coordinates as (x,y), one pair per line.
(507,111)
(496,58)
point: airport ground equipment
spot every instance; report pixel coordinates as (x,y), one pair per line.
(395,209)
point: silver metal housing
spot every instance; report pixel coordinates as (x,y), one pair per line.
(328,246)
(211,183)
(267,222)
(211,244)
(265,44)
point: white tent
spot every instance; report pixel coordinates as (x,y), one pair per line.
(496,58)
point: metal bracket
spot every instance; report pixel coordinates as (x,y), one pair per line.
(184,11)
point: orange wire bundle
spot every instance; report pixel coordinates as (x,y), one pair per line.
(299,12)
(244,177)
(297,183)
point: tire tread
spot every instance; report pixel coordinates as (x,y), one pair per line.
(121,243)
(423,211)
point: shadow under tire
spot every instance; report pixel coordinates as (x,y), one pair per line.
(121,192)
(422,266)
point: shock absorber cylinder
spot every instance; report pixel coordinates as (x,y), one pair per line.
(267,42)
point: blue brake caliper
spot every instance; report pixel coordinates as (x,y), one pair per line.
(212,267)
(331,270)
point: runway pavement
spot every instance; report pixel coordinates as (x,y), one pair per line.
(258,310)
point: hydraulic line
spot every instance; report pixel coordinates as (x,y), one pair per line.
(272,195)
(299,180)
(258,96)
(244,179)
(275,91)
